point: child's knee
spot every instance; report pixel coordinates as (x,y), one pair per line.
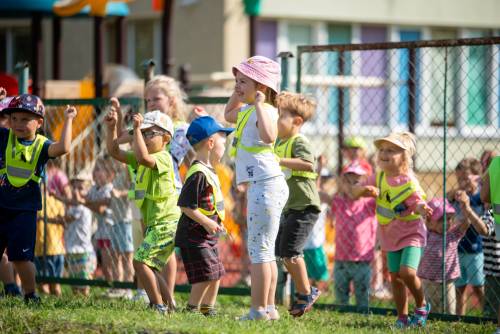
(291,260)
(407,273)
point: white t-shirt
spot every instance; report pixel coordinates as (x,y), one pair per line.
(104,221)
(78,233)
(317,237)
(260,166)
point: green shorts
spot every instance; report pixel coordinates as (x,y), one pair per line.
(157,246)
(316,263)
(409,257)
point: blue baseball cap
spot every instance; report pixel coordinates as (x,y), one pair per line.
(203,127)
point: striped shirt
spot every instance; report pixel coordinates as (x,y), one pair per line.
(491,247)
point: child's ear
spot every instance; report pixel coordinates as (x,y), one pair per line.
(166,138)
(298,121)
(39,123)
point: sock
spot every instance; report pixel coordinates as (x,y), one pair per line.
(207,310)
(270,308)
(421,310)
(191,308)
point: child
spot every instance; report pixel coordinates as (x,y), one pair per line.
(470,248)
(80,257)
(355,234)
(354,150)
(202,205)
(155,195)
(251,107)
(302,209)
(430,269)
(49,250)
(400,210)
(23,155)
(7,277)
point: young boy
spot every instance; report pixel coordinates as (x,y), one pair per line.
(23,155)
(155,195)
(202,206)
(303,206)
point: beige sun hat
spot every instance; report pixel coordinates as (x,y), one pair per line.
(404,140)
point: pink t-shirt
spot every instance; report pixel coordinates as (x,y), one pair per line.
(355,228)
(399,234)
(431,264)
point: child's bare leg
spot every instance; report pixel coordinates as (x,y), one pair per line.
(170,273)
(274,282)
(297,268)
(107,264)
(26,271)
(149,282)
(409,277)
(198,292)
(461,300)
(479,292)
(55,289)
(261,283)
(211,293)
(128,268)
(166,295)
(399,293)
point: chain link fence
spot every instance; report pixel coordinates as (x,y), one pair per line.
(447,94)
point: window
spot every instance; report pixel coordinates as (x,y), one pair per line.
(404,76)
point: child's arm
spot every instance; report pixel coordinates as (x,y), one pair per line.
(111,138)
(208,224)
(140,150)
(98,206)
(268,130)
(485,188)
(123,135)
(364,191)
(232,108)
(63,146)
(297,164)
(470,217)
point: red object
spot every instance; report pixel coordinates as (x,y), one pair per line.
(9,82)
(158,5)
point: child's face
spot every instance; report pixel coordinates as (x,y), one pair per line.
(219,146)
(25,124)
(155,139)
(157,100)
(4,121)
(286,123)
(101,175)
(245,88)
(467,181)
(352,153)
(390,157)
(79,187)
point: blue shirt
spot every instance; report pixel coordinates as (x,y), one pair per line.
(27,197)
(472,242)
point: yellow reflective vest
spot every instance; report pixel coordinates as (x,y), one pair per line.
(283,149)
(241,122)
(142,189)
(390,200)
(494,173)
(213,181)
(21,160)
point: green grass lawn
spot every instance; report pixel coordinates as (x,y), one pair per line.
(96,315)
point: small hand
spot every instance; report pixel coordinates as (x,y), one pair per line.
(3,93)
(70,112)
(259,97)
(213,227)
(424,210)
(370,191)
(115,104)
(137,120)
(462,198)
(111,119)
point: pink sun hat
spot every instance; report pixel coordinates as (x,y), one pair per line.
(354,168)
(261,69)
(439,207)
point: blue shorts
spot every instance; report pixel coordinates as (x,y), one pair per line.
(18,234)
(121,238)
(471,269)
(54,266)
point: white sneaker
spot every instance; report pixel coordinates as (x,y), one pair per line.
(113,293)
(254,315)
(141,296)
(127,294)
(273,314)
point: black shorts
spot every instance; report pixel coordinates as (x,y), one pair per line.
(202,264)
(18,234)
(295,228)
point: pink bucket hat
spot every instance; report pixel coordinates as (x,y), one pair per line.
(261,69)
(354,168)
(438,208)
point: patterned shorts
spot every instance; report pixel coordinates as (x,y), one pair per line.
(202,264)
(157,246)
(81,265)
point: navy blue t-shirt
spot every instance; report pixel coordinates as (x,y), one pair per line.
(472,242)
(27,197)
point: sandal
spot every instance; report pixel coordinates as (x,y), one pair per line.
(298,309)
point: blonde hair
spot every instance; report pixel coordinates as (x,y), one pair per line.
(297,104)
(171,89)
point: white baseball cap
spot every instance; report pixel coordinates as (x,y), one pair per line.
(159,119)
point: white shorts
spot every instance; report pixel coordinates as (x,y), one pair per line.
(265,201)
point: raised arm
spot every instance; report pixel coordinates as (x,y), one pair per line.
(470,217)
(232,108)
(63,146)
(268,130)
(111,137)
(140,150)
(485,189)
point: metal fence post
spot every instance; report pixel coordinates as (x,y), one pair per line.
(285,73)
(444,288)
(23,73)
(340,108)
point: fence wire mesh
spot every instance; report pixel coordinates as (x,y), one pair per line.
(447,94)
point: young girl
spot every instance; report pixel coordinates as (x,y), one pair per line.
(400,210)
(251,107)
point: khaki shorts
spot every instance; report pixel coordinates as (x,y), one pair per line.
(157,246)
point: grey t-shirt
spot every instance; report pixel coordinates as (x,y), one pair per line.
(78,233)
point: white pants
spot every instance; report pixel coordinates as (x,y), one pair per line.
(265,201)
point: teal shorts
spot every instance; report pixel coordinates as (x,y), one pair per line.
(409,257)
(316,264)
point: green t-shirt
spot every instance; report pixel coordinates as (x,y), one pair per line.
(161,184)
(302,191)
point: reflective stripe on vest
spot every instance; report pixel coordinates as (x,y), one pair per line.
(241,122)
(494,174)
(213,181)
(141,186)
(17,167)
(284,150)
(390,197)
